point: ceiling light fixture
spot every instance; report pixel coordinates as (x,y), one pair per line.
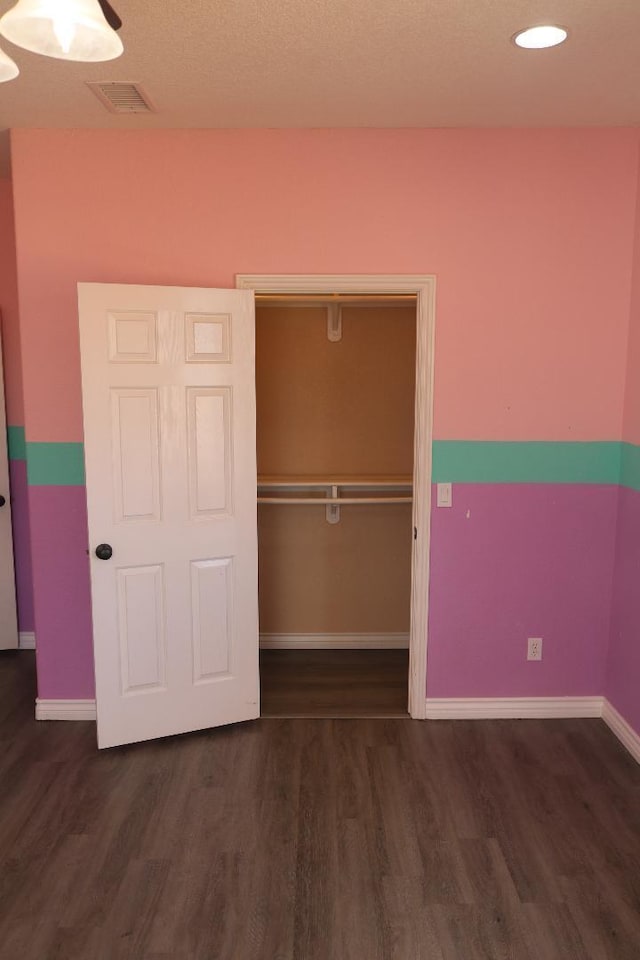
(8,69)
(64,29)
(537,38)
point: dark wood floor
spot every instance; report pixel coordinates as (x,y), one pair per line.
(334,683)
(316,840)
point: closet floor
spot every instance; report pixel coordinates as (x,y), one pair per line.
(334,683)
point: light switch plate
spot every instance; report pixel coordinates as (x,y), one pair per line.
(444,498)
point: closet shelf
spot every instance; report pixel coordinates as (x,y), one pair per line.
(334,492)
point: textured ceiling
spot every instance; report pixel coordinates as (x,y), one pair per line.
(323,63)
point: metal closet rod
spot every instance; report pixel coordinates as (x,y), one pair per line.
(336,501)
(332,490)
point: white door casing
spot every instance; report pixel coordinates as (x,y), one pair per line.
(424,287)
(8,613)
(169,437)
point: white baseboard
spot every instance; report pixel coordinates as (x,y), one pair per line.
(334,641)
(622,730)
(65,709)
(448,708)
(495,708)
(515,708)
(27,640)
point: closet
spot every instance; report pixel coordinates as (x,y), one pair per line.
(335,386)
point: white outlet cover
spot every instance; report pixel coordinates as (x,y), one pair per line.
(534,648)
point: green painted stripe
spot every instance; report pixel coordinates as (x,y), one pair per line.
(471,461)
(55,464)
(455,461)
(630,466)
(16,444)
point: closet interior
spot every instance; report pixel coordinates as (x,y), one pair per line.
(335,390)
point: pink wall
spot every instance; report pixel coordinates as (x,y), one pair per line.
(631,429)
(529,233)
(623,664)
(14,405)
(9,308)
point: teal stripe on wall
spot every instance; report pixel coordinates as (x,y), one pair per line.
(55,464)
(16,444)
(470,461)
(630,466)
(455,461)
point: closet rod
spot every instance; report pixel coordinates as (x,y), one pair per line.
(334,501)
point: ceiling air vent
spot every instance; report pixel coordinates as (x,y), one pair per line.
(122,97)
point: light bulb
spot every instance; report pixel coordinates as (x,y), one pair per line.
(64,29)
(8,69)
(537,38)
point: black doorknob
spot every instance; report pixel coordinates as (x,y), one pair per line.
(104,551)
(2,501)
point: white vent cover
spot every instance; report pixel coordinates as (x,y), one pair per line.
(122,96)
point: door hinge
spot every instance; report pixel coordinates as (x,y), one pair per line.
(415,533)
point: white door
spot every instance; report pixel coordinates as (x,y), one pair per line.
(169,427)
(8,617)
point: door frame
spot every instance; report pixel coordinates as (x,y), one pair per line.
(9,636)
(424,287)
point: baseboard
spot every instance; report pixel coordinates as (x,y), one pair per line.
(622,730)
(65,709)
(496,708)
(27,640)
(447,708)
(334,641)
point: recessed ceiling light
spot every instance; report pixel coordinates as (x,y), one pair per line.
(536,38)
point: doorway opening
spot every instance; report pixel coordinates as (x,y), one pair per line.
(343,387)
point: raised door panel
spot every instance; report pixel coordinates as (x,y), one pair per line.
(208,338)
(212,618)
(210,451)
(142,628)
(132,336)
(136,454)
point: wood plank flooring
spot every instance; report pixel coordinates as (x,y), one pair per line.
(334,683)
(318,839)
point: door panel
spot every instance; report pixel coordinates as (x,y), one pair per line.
(136,454)
(210,471)
(212,617)
(169,418)
(142,628)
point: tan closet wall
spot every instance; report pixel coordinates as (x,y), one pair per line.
(334,411)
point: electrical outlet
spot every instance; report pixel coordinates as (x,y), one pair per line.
(534,648)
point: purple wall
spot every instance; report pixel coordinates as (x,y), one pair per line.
(59,527)
(622,686)
(527,560)
(623,669)
(511,561)
(21,543)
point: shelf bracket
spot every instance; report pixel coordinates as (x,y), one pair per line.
(334,322)
(332,509)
